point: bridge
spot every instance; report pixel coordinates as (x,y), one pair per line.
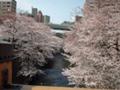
(60,27)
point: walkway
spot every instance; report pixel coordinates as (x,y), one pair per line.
(50,88)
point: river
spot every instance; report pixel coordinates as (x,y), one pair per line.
(54,76)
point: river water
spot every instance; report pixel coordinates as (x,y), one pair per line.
(54,76)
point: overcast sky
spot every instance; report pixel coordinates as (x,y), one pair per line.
(58,10)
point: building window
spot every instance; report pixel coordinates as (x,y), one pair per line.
(4,3)
(8,2)
(8,5)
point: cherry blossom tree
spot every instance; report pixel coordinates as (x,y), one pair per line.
(33,42)
(95,46)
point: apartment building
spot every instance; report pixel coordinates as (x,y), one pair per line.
(46,19)
(34,12)
(39,17)
(7,6)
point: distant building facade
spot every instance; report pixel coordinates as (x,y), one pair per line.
(39,17)
(46,19)
(6,64)
(7,6)
(34,12)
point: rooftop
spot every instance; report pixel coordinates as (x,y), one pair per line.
(3,42)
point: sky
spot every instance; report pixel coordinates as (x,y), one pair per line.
(58,10)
